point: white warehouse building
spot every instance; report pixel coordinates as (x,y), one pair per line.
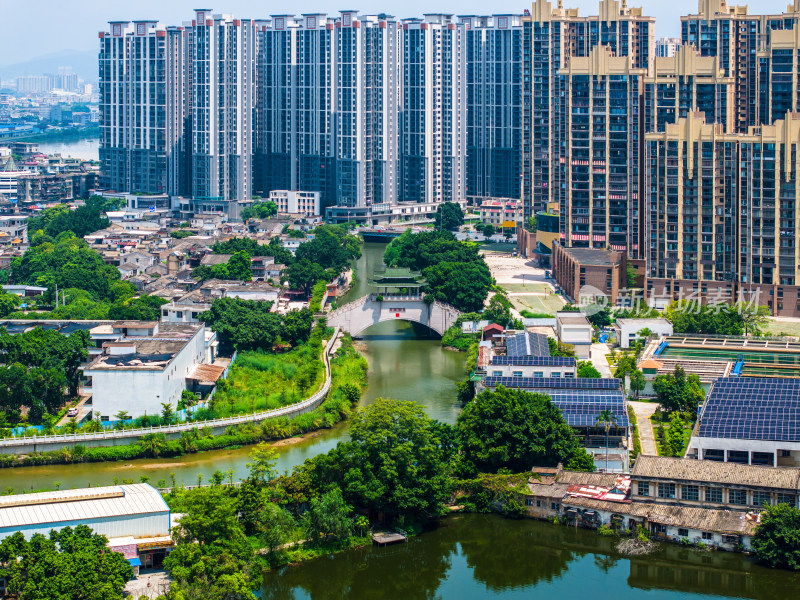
(146,367)
(116,511)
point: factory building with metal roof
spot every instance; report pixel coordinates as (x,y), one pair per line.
(136,510)
(134,518)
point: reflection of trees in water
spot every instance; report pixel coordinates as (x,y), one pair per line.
(505,553)
(502,554)
(711,573)
(410,571)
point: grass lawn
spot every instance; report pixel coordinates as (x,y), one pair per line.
(538,304)
(500,248)
(260,381)
(783,328)
(528,288)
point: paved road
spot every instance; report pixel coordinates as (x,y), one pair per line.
(643,411)
(158,585)
(598,354)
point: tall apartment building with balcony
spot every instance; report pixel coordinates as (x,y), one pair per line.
(599,129)
(143,107)
(667,47)
(736,38)
(722,213)
(221,55)
(552,37)
(686,83)
(779,85)
(367,111)
(328,108)
(494,106)
(433,111)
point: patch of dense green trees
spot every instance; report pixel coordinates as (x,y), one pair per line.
(66,564)
(513,429)
(249,325)
(455,271)
(324,257)
(69,262)
(41,367)
(777,539)
(239,268)
(260,210)
(81,221)
(722,319)
(449,216)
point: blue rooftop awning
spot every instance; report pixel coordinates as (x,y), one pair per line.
(135,562)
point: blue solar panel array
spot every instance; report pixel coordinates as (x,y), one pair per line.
(533,361)
(751,408)
(527,344)
(579,405)
(555,383)
(581,408)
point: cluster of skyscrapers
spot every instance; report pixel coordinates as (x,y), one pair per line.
(682,153)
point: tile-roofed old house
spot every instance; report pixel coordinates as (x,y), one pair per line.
(712,472)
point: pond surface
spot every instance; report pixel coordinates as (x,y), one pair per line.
(484,556)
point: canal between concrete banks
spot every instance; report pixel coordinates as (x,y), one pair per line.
(405,363)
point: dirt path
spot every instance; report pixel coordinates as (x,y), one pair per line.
(643,411)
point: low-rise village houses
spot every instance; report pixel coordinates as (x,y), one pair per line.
(673,499)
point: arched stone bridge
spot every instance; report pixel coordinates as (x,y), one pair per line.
(360,314)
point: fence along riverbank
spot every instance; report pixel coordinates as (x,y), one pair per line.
(36,443)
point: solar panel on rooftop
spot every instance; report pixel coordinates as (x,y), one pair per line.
(573,383)
(534,361)
(752,409)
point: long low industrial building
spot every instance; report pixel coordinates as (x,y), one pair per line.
(750,420)
(134,518)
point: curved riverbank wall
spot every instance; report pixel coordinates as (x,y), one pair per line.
(29,445)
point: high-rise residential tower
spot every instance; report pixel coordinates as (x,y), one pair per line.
(599,130)
(221,51)
(143,108)
(367,110)
(686,83)
(433,111)
(328,109)
(722,212)
(553,35)
(735,38)
(779,84)
(494,106)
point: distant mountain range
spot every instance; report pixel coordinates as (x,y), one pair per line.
(83,63)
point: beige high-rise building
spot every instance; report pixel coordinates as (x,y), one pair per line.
(599,129)
(552,36)
(684,83)
(735,37)
(722,214)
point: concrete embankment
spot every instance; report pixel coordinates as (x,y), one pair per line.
(29,445)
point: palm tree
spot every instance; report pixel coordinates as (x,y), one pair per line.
(607,419)
(153,443)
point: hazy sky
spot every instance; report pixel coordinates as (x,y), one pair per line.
(32,28)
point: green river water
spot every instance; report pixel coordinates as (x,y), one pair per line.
(404,363)
(483,556)
(466,556)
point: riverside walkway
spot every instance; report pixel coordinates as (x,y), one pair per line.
(39,443)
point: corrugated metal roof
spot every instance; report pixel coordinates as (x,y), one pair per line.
(78,505)
(206,372)
(687,469)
